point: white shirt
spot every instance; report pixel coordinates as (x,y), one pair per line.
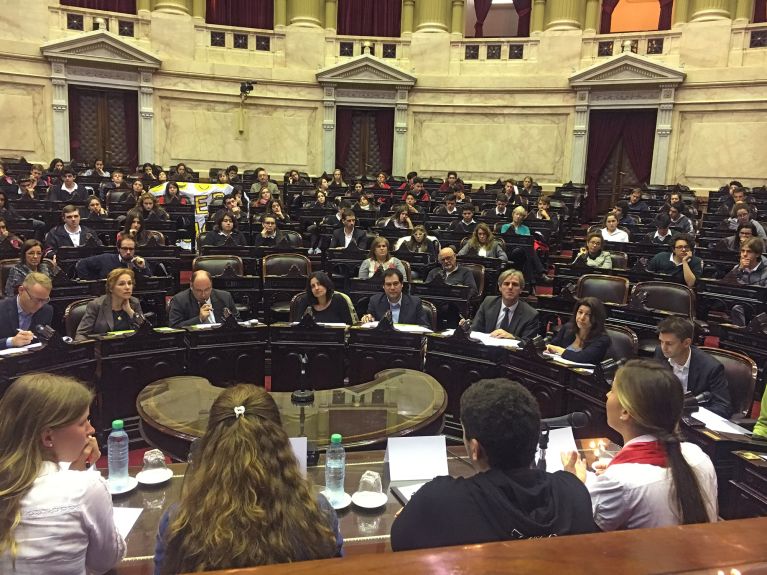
(348,238)
(211,317)
(74,236)
(637,495)
(67,526)
(660,237)
(617,236)
(512,309)
(682,372)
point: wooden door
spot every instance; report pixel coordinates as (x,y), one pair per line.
(366,148)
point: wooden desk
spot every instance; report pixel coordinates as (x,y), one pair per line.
(749,485)
(228,354)
(373,350)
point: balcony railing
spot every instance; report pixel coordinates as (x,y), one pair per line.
(655,43)
(238,39)
(340,48)
(494,49)
(69,20)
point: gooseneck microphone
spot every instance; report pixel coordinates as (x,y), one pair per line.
(576,420)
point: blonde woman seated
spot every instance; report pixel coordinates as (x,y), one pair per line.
(55,518)
(244,501)
(379,259)
(656,480)
(592,255)
(483,244)
(419,242)
(118,310)
(611,233)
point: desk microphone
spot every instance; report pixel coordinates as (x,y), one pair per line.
(704,397)
(44,332)
(576,419)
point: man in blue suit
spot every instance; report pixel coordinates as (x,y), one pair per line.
(20,315)
(404,308)
(98,267)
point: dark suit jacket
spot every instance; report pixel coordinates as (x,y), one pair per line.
(524,322)
(98,267)
(410,312)
(56,194)
(460,226)
(9,318)
(706,374)
(98,317)
(594,352)
(461,276)
(184,309)
(58,237)
(358,236)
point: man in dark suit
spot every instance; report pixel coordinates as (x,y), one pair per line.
(200,303)
(467,223)
(21,314)
(404,308)
(269,236)
(68,191)
(451,272)
(697,371)
(348,234)
(501,209)
(98,266)
(70,233)
(505,316)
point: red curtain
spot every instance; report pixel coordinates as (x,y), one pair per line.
(130,109)
(523,8)
(605,130)
(124,6)
(385,132)
(481,7)
(343,135)
(369,18)
(243,13)
(639,140)
(760,11)
(664,21)
(608,6)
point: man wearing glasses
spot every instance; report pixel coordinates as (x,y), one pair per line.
(20,316)
(98,267)
(681,260)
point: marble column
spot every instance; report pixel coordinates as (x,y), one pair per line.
(744,10)
(457,17)
(580,137)
(173,6)
(329,128)
(662,144)
(537,16)
(564,15)
(307,13)
(399,154)
(60,103)
(146,117)
(680,11)
(280,13)
(591,22)
(702,10)
(143,5)
(432,15)
(406,20)
(331,15)
(198,9)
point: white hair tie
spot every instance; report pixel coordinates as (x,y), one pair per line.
(239,411)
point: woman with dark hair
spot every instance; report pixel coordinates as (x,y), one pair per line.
(150,208)
(7,210)
(262,510)
(55,172)
(364,204)
(97,170)
(133,226)
(182,173)
(5,179)
(419,242)
(147,175)
(611,232)
(583,339)
(327,305)
(277,210)
(656,480)
(482,243)
(379,259)
(592,254)
(30,260)
(321,201)
(172,196)
(54,517)
(225,228)
(162,177)
(401,219)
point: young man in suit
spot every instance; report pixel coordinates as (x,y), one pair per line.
(68,191)
(505,316)
(404,308)
(696,371)
(349,233)
(200,303)
(98,266)
(20,315)
(70,233)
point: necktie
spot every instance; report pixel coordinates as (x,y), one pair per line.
(506,319)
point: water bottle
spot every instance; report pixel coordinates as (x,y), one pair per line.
(117,452)
(335,470)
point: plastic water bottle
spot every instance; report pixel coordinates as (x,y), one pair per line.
(117,452)
(335,470)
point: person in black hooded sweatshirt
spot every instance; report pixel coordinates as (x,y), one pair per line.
(507,499)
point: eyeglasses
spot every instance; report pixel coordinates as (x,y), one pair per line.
(37,300)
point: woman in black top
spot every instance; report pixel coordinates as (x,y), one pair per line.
(326,305)
(224,229)
(583,339)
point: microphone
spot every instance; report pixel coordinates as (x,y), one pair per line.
(44,332)
(576,419)
(704,397)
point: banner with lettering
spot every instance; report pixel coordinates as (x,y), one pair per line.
(199,195)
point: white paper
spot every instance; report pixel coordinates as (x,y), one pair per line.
(125,518)
(416,458)
(560,440)
(403,327)
(561,360)
(485,339)
(206,325)
(15,350)
(323,323)
(407,491)
(299,449)
(715,422)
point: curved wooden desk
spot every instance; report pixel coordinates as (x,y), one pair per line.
(174,411)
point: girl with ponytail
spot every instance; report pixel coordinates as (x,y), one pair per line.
(656,480)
